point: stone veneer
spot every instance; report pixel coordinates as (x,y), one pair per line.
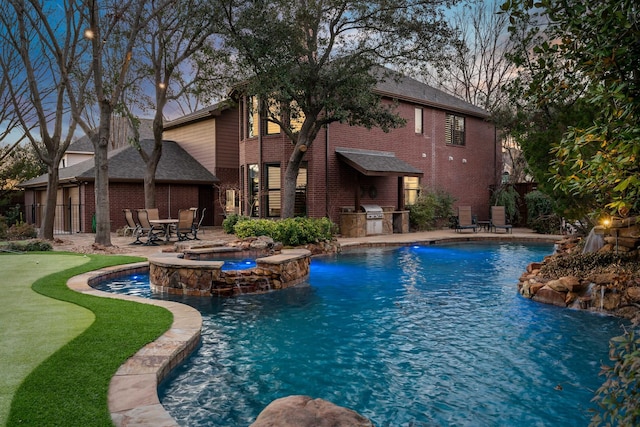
(182,276)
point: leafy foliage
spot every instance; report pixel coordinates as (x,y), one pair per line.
(230,222)
(581,89)
(507,196)
(432,208)
(290,232)
(541,216)
(31,246)
(619,395)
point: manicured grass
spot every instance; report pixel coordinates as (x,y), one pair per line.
(70,387)
(32,326)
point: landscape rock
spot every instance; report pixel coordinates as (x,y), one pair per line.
(304,411)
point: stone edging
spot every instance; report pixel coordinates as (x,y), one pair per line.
(133,390)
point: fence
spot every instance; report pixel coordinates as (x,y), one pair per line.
(67,217)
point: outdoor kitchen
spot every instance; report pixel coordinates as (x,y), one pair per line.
(371,220)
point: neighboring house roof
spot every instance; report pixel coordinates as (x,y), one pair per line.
(396,85)
(376,163)
(126,165)
(120,133)
(211,111)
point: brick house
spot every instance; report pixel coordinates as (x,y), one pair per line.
(181,182)
(447,144)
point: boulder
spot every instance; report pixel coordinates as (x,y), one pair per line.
(565,284)
(547,295)
(634,294)
(303,411)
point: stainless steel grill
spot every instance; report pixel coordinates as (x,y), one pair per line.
(374,218)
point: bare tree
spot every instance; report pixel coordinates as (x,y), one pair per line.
(478,67)
(113,29)
(38,46)
(165,62)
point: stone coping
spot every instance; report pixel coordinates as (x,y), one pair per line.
(133,391)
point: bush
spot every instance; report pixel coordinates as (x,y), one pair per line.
(541,216)
(230,221)
(32,246)
(432,209)
(3,228)
(619,396)
(290,231)
(507,196)
(21,231)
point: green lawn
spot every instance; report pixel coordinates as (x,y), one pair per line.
(58,355)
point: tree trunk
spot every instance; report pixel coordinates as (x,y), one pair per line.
(100,145)
(46,227)
(290,179)
(151,161)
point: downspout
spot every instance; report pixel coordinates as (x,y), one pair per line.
(326,171)
(260,171)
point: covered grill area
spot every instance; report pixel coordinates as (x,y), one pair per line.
(366,219)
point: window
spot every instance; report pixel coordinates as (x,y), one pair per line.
(272,110)
(300,208)
(411,189)
(418,115)
(252,116)
(454,130)
(273,189)
(296,117)
(231,202)
(254,189)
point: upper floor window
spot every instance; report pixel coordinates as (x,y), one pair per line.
(418,120)
(252,116)
(273,110)
(454,130)
(296,117)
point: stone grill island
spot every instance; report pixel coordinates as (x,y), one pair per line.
(199,272)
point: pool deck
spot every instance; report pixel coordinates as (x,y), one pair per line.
(133,391)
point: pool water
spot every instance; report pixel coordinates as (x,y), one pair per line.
(413,336)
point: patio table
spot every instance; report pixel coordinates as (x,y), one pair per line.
(166,225)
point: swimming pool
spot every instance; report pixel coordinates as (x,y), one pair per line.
(411,336)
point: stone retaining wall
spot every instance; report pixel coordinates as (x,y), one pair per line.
(206,278)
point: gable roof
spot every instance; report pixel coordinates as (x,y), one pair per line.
(395,85)
(126,165)
(214,110)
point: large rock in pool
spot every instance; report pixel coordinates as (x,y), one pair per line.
(303,411)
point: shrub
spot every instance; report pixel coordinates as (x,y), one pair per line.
(619,395)
(230,221)
(21,231)
(32,246)
(541,216)
(432,209)
(290,231)
(3,228)
(507,196)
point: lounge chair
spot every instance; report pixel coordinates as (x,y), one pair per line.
(465,219)
(132,226)
(185,228)
(499,219)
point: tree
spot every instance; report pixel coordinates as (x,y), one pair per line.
(20,163)
(583,70)
(38,46)
(314,61)
(166,62)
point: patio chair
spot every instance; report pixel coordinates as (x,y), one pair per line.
(499,219)
(185,229)
(197,223)
(465,219)
(132,226)
(151,231)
